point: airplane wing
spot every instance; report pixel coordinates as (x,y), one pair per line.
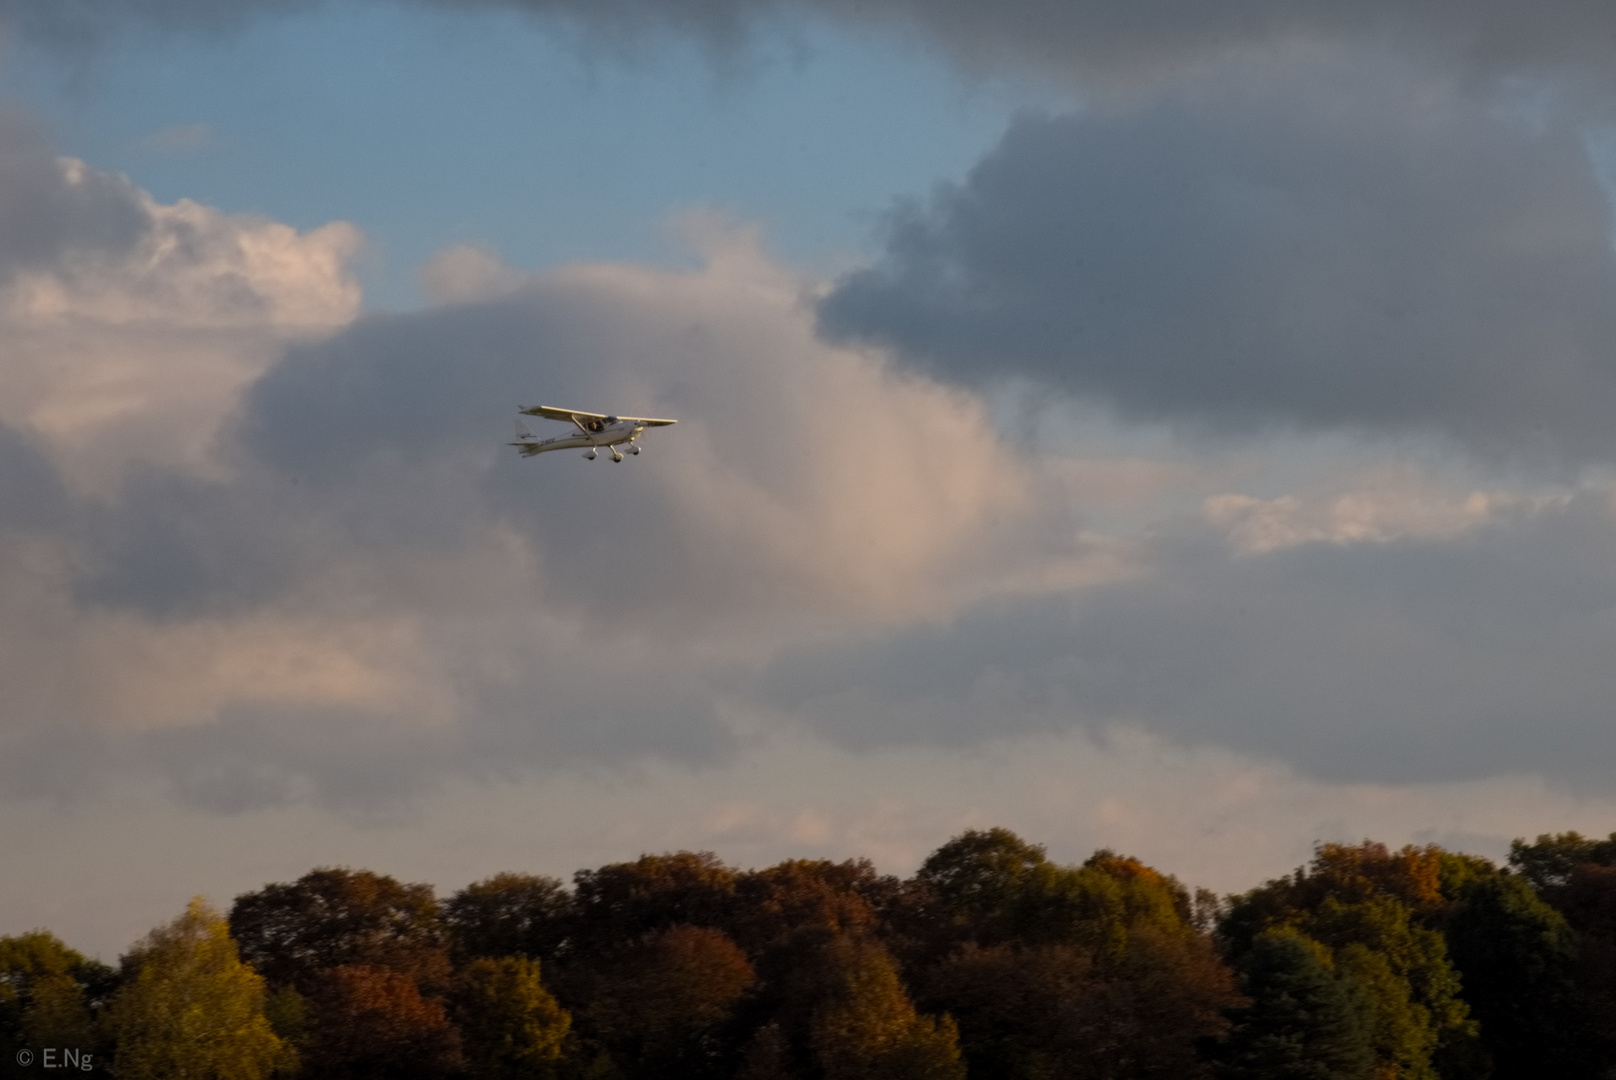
(577,416)
(550,412)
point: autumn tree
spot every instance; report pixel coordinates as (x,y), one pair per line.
(329,918)
(767,1056)
(509,915)
(622,901)
(808,896)
(189,1009)
(373,1023)
(659,1005)
(1087,971)
(866,1028)
(511,1027)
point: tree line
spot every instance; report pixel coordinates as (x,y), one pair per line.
(991,962)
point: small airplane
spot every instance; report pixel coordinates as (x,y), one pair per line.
(594,430)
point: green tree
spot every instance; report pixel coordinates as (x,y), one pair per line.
(511,1027)
(981,887)
(1550,861)
(189,1008)
(1577,877)
(1303,1022)
(1518,959)
(1095,970)
(991,887)
(1378,911)
(49,995)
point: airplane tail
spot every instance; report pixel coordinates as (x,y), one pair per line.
(521,431)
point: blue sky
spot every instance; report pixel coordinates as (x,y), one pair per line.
(428,128)
(1131,425)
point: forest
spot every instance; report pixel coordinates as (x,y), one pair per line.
(991,962)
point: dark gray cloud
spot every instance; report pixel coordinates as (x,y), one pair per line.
(173,546)
(1119,40)
(48,213)
(32,498)
(1328,248)
(1413,660)
(79,23)
(1104,39)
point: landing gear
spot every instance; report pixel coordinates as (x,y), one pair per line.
(635,449)
(590,454)
(615,455)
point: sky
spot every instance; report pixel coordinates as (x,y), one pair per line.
(1163,427)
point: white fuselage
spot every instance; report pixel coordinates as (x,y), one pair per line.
(597,434)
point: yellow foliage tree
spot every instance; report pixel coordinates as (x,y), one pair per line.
(512,1026)
(868,1028)
(191,1010)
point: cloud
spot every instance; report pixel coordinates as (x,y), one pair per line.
(468,272)
(367,566)
(1342,248)
(1453,647)
(130,327)
(340,587)
(81,23)
(1103,42)
(51,210)
(1119,42)
(802,479)
(1216,819)
(372,596)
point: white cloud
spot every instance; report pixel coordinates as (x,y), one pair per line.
(135,352)
(370,559)
(1375,513)
(466,273)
